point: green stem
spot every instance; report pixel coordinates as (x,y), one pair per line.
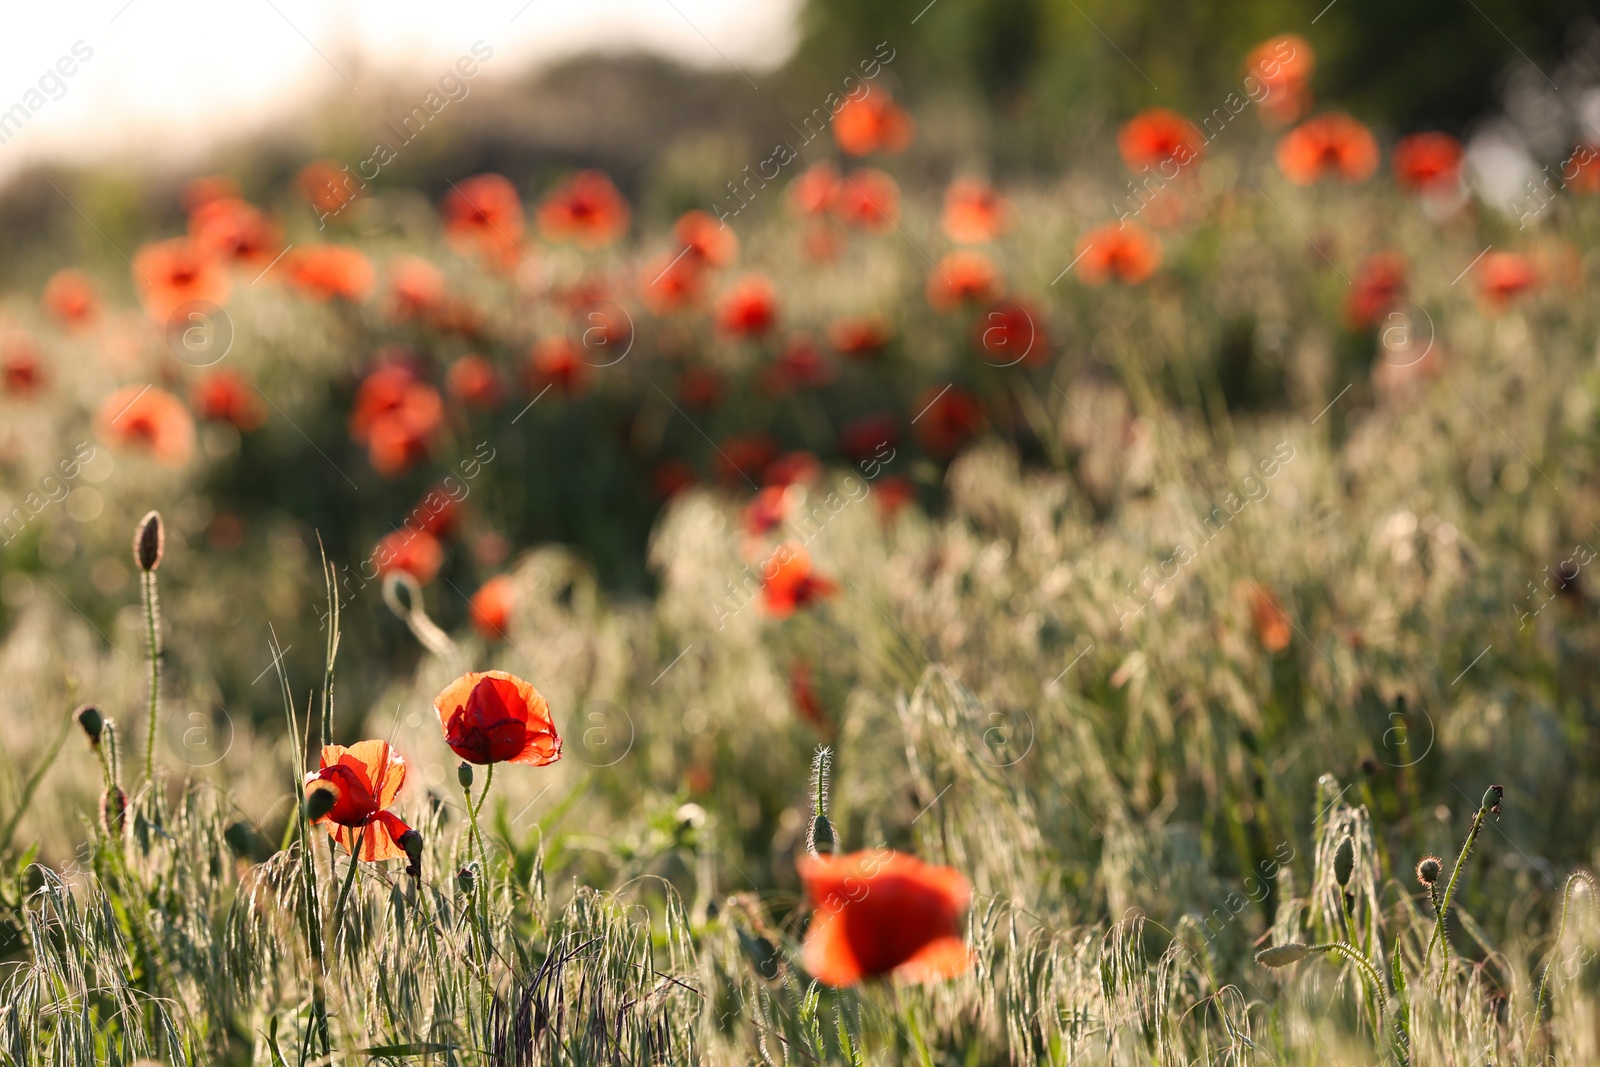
(153,632)
(1561,929)
(1461,861)
(31,786)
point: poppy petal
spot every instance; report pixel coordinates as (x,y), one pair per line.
(943,957)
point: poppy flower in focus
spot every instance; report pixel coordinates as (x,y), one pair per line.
(712,242)
(490,608)
(869,199)
(893,493)
(169,274)
(1124,253)
(586,209)
(555,361)
(1332,144)
(804,695)
(1504,276)
(875,123)
(767,511)
(228,396)
(495,717)
(883,913)
(364,780)
(963,277)
(1284,64)
(414,552)
(484,213)
(147,418)
(670,283)
(416,288)
(234,231)
(800,366)
(322,272)
(793,468)
(866,437)
(788,581)
(671,477)
(20,372)
(813,192)
(1011,333)
(1158,136)
(700,388)
(1428,162)
(973,212)
(948,420)
(859,338)
(1273,628)
(69,297)
(749,308)
(1379,286)
(743,455)
(396,416)
(328,187)
(473,380)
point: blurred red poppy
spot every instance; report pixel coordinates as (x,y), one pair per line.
(973,212)
(700,388)
(749,308)
(1156,137)
(396,416)
(869,199)
(767,511)
(1011,333)
(586,209)
(874,123)
(328,187)
(414,552)
(671,282)
(1273,628)
(1581,171)
(860,337)
(233,231)
(742,456)
(20,371)
(813,192)
(671,477)
(169,274)
(556,361)
(1504,276)
(490,608)
(437,512)
(1332,144)
(495,717)
(1121,252)
(948,420)
(793,468)
(1428,162)
(865,437)
(1284,65)
(713,243)
(147,418)
(364,779)
(883,913)
(473,380)
(198,192)
(801,365)
(963,277)
(322,272)
(789,583)
(893,493)
(227,396)
(69,297)
(804,695)
(1379,285)
(484,214)
(416,288)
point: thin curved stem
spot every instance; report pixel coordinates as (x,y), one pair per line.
(1450,889)
(153,633)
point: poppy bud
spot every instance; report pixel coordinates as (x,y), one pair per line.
(466,879)
(1492,797)
(1283,955)
(148,542)
(1344,861)
(821,840)
(92,721)
(113,810)
(411,841)
(319,802)
(1429,869)
(464,774)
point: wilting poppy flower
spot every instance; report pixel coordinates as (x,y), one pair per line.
(813,192)
(1122,252)
(671,477)
(395,415)
(169,274)
(491,607)
(893,493)
(700,388)
(1157,137)
(743,455)
(1273,628)
(883,913)
(973,212)
(713,243)
(767,511)
(364,780)
(1011,333)
(947,420)
(322,272)
(416,288)
(789,583)
(70,298)
(1379,285)
(414,552)
(793,468)
(328,187)
(556,361)
(147,418)
(963,277)
(670,283)
(804,695)
(869,199)
(495,717)
(1330,144)
(801,365)
(1504,276)
(234,231)
(859,338)
(1284,65)
(586,208)
(875,123)
(484,213)
(866,437)
(228,396)
(749,308)
(20,372)
(473,380)
(1428,161)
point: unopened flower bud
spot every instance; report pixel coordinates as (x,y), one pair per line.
(92,721)
(148,541)
(821,841)
(1492,798)
(1344,861)
(1428,870)
(319,802)
(466,879)
(411,841)
(113,810)
(1283,955)
(464,774)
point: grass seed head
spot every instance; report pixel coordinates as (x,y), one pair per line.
(1283,955)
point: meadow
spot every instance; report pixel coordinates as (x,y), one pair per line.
(1139,616)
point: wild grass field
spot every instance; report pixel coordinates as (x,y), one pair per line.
(1138,616)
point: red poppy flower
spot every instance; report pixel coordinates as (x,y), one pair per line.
(793,468)
(1581,171)
(788,582)
(364,780)
(586,208)
(671,477)
(700,388)
(767,511)
(198,192)
(473,380)
(801,365)
(963,277)
(19,366)
(749,308)
(875,123)
(1011,333)
(948,420)
(883,913)
(865,437)
(1273,628)
(69,296)
(860,338)
(396,417)
(1123,252)
(491,607)
(893,493)
(743,455)
(1330,144)
(1428,161)
(328,187)
(804,695)
(414,552)
(671,282)
(1379,286)
(822,241)
(1158,136)
(813,192)
(437,512)
(1504,276)
(228,396)
(713,243)
(233,231)
(1284,65)
(868,199)
(147,418)
(556,361)
(484,214)
(495,717)
(169,274)
(322,272)
(973,212)
(416,288)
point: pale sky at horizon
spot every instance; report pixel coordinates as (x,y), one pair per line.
(184,74)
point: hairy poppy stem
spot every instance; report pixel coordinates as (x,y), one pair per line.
(152,615)
(1491,801)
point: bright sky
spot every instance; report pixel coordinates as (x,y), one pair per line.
(172,75)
